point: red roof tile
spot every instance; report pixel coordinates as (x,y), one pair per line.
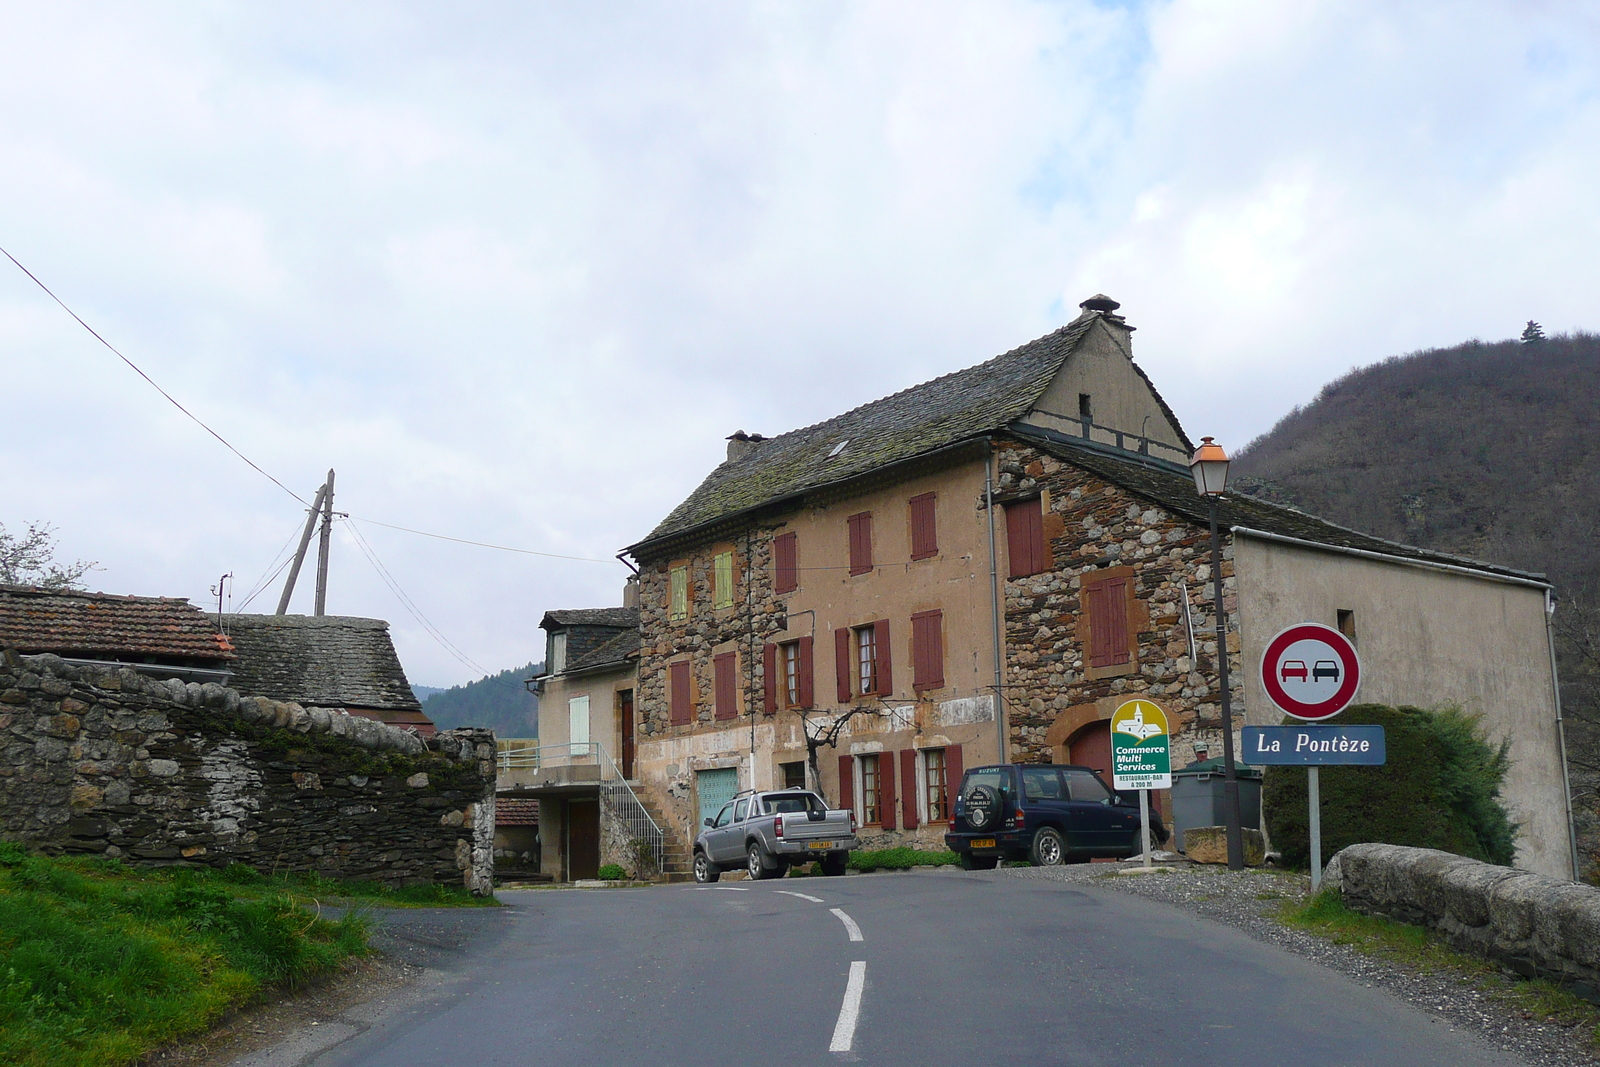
(509,812)
(103,626)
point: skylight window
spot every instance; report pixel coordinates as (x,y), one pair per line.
(838,448)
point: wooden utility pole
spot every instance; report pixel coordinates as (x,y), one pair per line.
(300,553)
(322,549)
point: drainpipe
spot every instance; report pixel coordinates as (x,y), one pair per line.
(994,603)
(1561,727)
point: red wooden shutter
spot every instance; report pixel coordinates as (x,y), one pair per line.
(786,578)
(841,661)
(924,532)
(927,650)
(726,671)
(847,782)
(769,677)
(1025,548)
(678,674)
(861,543)
(880,642)
(886,790)
(808,689)
(1107,604)
(908,787)
(952,778)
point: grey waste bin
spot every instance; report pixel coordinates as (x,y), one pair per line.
(1197,797)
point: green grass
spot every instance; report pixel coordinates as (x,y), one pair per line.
(101,963)
(1424,950)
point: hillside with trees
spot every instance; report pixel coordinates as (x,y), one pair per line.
(1486,450)
(498,701)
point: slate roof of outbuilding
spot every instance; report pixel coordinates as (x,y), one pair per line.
(1172,488)
(614,652)
(947,410)
(516,811)
(103,625)
(323,661)
(616,617)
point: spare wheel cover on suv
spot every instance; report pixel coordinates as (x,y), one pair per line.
(983,809)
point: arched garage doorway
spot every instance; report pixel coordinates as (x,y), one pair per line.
(1090,746)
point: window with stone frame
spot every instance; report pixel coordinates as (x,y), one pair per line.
(1027,550)
(936,786)
(678,593)
(794,774)
(866,659)
(871,791)
(722,580)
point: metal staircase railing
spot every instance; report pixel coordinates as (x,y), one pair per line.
(647,839)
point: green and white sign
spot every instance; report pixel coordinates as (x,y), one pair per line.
(1141,752)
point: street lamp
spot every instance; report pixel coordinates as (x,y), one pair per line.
(1210,469)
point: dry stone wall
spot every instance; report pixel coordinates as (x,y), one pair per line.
(109,762)
(1091,524)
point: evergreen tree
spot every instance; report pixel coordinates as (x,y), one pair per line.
(1532,333)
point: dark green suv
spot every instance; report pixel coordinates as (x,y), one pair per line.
(1046,813)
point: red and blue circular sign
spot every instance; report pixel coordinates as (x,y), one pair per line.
(1310,671)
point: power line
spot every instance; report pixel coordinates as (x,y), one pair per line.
(151,380)
(482,544)
(252,463)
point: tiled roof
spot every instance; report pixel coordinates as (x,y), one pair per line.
(1173,488)
(325,661)
(104,626)
(513,811)
(945,411)
(613,652)
(614,617)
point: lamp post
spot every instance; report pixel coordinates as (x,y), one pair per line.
(1210,469)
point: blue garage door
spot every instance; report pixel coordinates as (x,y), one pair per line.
(715,788)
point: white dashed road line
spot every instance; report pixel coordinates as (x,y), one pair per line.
(802,896)
(844,1031)
(850,925)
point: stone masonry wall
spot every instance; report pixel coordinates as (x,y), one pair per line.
(108,762)
(705,632)
(1091,524)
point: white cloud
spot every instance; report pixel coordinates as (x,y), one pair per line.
(516,272)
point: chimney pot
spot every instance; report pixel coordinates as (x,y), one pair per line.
(1100,302)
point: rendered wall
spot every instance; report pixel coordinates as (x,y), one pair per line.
(1426,638)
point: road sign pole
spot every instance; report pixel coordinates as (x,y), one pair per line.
(1144,822)
(1314,801)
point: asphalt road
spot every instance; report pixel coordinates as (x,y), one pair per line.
(913,969)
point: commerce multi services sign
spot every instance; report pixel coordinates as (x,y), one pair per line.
(1141,751)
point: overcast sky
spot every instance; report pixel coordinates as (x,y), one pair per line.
(515,270)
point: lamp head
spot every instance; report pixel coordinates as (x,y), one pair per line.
(1209,466)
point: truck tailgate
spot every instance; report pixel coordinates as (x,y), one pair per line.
(797,826)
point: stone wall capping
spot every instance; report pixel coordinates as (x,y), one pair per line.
(1537,926)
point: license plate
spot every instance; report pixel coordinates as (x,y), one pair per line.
(820,845)
(983,842)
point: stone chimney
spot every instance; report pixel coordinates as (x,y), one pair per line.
(741,444)
(1106,308)
(630,592)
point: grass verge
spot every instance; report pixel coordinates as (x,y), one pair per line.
(101,963)
(1426,951)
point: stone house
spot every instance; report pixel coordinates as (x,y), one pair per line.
(586,741)
(327,661)
(981,567)
(165,637)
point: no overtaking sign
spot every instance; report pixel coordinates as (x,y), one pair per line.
(1310,671)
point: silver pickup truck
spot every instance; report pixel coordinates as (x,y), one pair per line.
(764,832)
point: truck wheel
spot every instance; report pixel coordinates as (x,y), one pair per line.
(758,863)
(1049,848)
(834,864)
(969,862)
(704,870)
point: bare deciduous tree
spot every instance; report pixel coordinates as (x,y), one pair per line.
(823,732)
(29,559)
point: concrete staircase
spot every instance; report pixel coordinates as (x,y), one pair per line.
(675,854)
